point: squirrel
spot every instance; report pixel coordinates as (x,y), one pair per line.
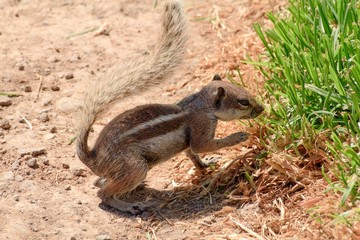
(139,138)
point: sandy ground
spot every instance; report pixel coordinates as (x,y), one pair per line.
(50,51)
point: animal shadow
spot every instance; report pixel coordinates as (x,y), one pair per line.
(179,203)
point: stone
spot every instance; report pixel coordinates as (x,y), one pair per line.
(5,102)
(78,172)
(27,89)
(53,129)
(55,88)
(32,162)
(53,59)
(44,117)
(31,151)
(15,165)
(46,162)
(49,136)
(103,237)
(38,151)
(19,178)
(7,176)
(5,124)
(69,76)
(65,166)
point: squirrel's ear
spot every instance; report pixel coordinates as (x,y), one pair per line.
(216,77)
(220,94)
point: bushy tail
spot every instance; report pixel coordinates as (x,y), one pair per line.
(133,76)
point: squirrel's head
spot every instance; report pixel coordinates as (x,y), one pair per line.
(232,102)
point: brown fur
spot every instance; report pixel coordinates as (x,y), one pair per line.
(139,138)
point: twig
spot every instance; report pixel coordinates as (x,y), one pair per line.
(280,205)
(39,88)
(179,163)
(10,94)
(211,201)
(251,232)
(72,140)
(27,122)
(220,173)
(45,110)
(154,234)
(83,32)
(167,220)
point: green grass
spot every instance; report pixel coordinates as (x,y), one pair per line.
(312,72)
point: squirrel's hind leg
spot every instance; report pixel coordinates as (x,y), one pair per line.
(129,179)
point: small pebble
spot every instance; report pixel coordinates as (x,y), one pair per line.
(31,151)
(32,162)
(38,152)
(26,157)
(46,102)
(69,76)
(16,198)
(27,89)
(5,103)
(74,58)
(5,124)
(103,237)
(19,178)
(15,165)
(46,162)
(24,152)
(21,67)
(43,128)
(68,187)
(49,136)
(53,59)
(55,88)
(44,117)
(53,130)
(79,181)
(78,172)
(65,166)
(7,176)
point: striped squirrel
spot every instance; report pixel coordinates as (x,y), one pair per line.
(137,139)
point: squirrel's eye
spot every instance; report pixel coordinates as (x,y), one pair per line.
(244,102)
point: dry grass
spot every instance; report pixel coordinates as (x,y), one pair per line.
(275,197)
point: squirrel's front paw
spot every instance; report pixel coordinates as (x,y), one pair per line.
(240,136)
(210,160)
